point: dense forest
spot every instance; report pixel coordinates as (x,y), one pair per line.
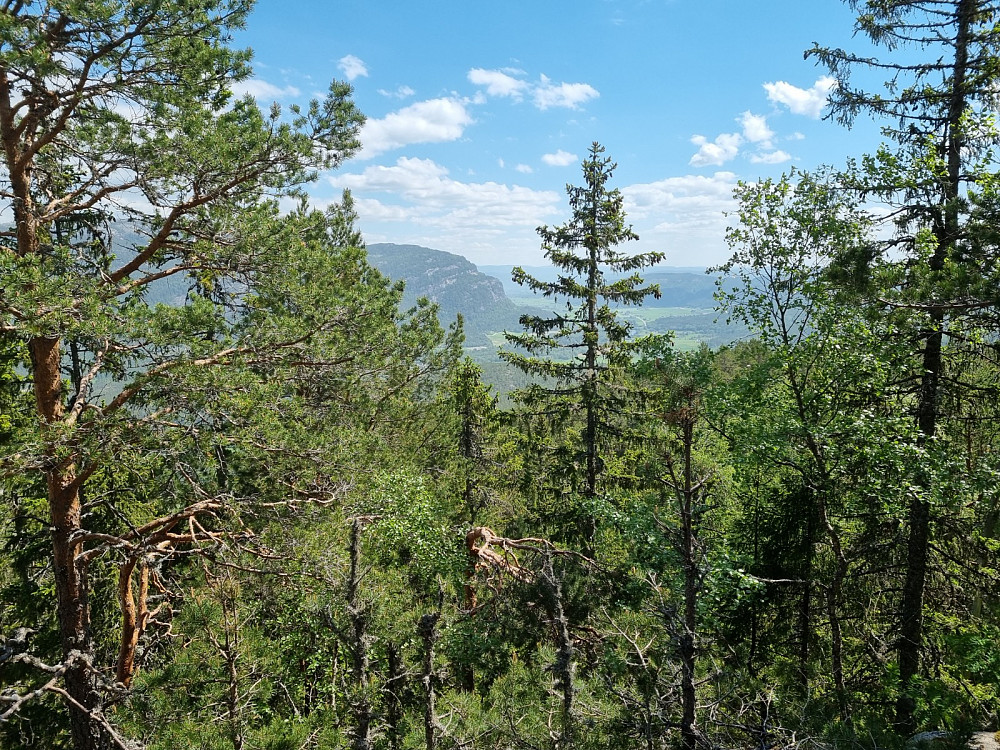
(285,512)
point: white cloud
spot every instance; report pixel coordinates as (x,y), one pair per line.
(724,148)
(570,95)
(809,102)
(402,92)
(498,83)
(431,121)
(438,199)
(524,169)
(690,215)
(416,200)
(259,89)
(755,129)
(352,67)
(692,195)
(559,159)
(544,94)
(771,157)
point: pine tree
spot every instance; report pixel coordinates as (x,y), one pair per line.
(105,105)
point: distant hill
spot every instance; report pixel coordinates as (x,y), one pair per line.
(454,283)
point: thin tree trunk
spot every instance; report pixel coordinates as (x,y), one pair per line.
(805,602)
(564,666)
(834,593)
(394,684)
(361,703)
(688,645)
(427,630)
(134,618)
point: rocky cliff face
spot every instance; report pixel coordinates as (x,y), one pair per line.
(454,283)
(450,280)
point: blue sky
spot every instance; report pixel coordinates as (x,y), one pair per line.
(480,113)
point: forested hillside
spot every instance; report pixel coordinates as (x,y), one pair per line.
(282,510)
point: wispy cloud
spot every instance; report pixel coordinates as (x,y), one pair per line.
(352,67)
(771,157)
(809,102)
(570,95)
(524,169)
(689,214)
(431,121)
(544,93)
(401,92)
(559,159)
(498,83)
(755,133)
(259,89)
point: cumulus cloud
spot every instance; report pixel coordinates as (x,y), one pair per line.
(431,121)
(524,169)
(809,102)
(259,89)
(755,129)
(559,159)
(724,148)
(498,83)
(352,67)
(401,92)
(544,94)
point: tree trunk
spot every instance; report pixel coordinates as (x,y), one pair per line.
(805,601)
(394,684)
(688,645)
(946,233)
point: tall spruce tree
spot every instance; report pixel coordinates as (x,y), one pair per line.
(578,354)
(940,279)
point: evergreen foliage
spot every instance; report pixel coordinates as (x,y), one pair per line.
(585,349)
(275,508)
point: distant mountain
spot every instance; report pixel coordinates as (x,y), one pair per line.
(491,303)
(454,283)
(682,289)
(679,286)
